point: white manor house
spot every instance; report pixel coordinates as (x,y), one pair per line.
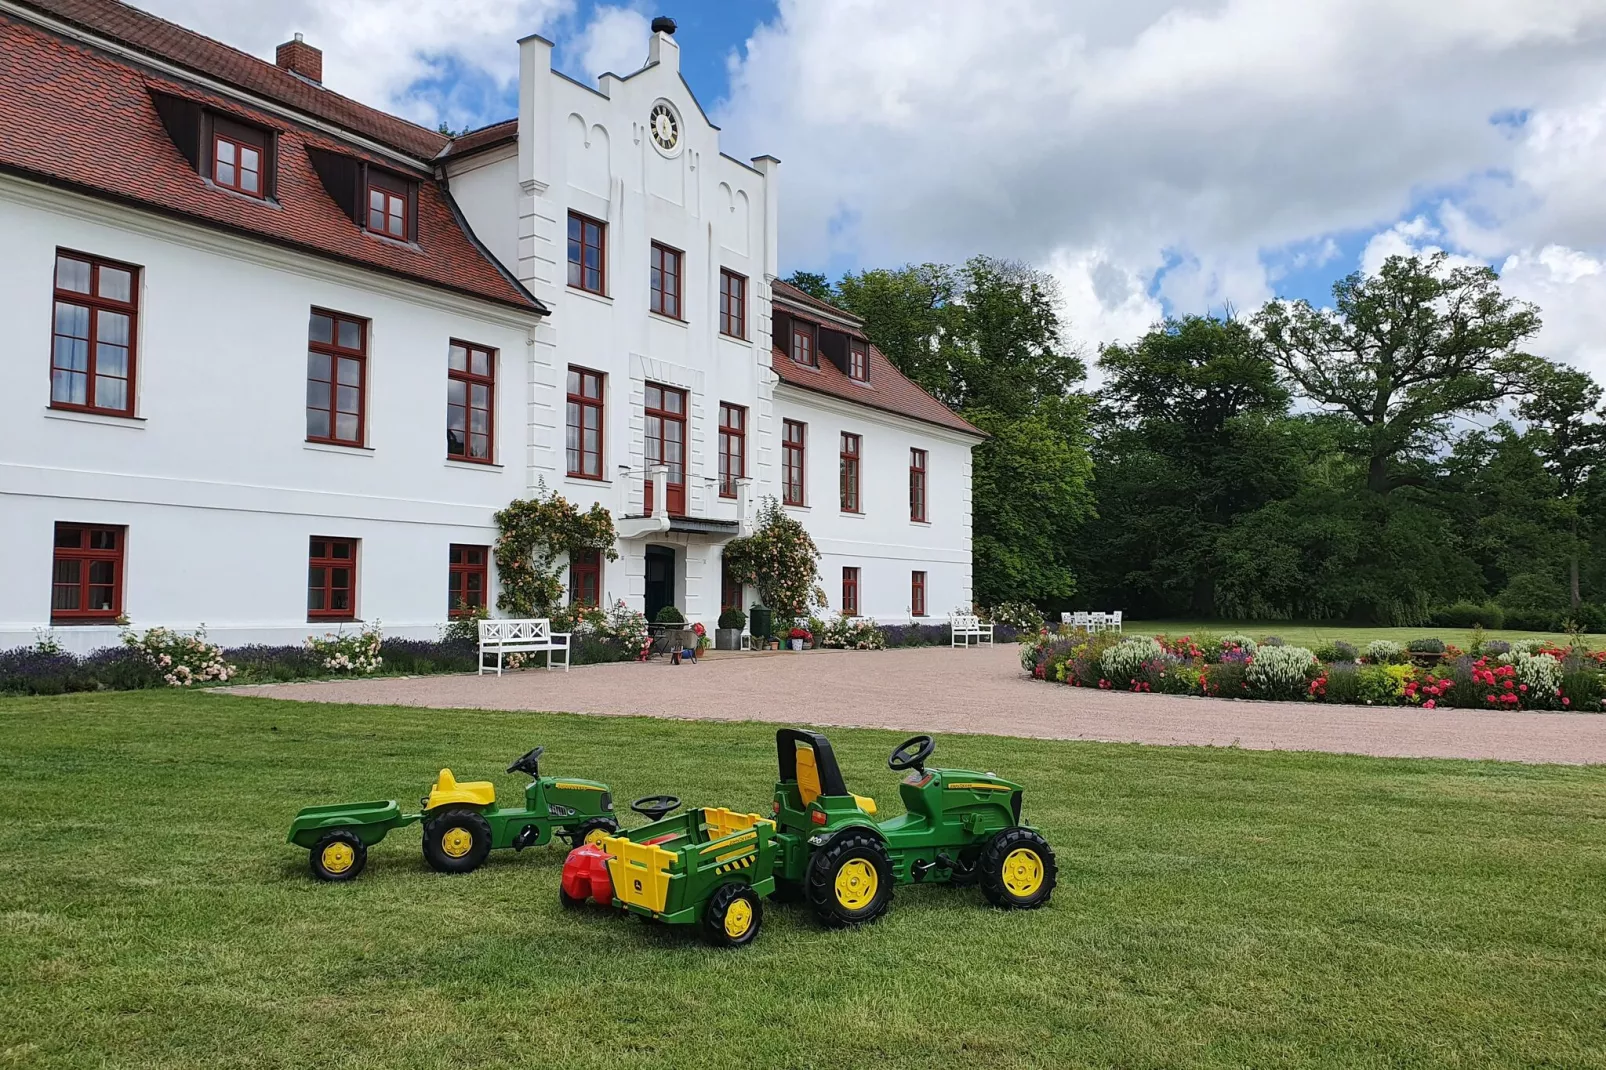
(273,359)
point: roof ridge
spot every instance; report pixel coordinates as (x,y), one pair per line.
(75,13)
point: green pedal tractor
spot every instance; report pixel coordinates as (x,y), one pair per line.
(462,822)
(823,846)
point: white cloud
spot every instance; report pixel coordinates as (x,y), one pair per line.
(614,40)
(1173,143)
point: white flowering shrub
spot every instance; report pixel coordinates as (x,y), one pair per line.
(1523,646)
(1121,662)
(1246,643)
(1281,672)
(182,658)
(1383,651)
(1541,672)
(349,652)
(854,633)
(1022,616)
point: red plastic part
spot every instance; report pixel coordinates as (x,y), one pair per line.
(585,874)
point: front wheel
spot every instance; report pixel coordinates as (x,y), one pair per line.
(1017,870)
(733,916)
(457,840)
(338,856)
(593,832)
(849,880)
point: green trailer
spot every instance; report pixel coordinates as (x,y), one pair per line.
(462,822)
(823,845)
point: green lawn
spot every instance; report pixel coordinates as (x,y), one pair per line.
(1216,908)
(1313,634)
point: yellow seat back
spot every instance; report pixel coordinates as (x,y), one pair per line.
(865,803)
(447,791)
(808,775)
(639,871)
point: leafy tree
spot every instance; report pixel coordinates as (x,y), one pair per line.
(1564,412)
(1402,354)
(812,283)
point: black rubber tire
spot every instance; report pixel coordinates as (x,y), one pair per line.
(990,869)
(578,833)
(719,905)
(567,901)
(820,880)
(458,817)
(350,839)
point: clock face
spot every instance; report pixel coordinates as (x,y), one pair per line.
(665,126)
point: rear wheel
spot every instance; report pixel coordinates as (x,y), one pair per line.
(338,856)
(457,841)
(567,901)
(849,880)
(593,832)
(733,916)
(1017,870)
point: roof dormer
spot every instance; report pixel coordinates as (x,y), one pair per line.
(380,201)
(223,149)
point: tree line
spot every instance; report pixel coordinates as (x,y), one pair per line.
(1396,458)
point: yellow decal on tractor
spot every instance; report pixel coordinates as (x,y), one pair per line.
(579,787)
(979,786)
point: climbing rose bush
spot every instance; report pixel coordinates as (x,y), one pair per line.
(854,633)
(183,658)
(780,559)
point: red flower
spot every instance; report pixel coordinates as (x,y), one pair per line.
(1429,705)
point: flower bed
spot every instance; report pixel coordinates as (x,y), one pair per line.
(1428,673)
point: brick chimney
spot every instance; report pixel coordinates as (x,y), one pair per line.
(298,57)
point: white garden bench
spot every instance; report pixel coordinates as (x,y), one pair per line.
(535,636)
(965,626)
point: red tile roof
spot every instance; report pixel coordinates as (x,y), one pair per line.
(82,119)
(186,48)
(483,138)
(888,389)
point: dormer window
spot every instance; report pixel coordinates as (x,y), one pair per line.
(858,360)
(387,205)
(237,164)
(803,344)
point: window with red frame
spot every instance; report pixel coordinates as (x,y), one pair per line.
(858,360)
(732,304)
(585,578)
(388,206)
(803,339)
(86,582)
(850,473)
(587,257)
(585,423)
(917,485)
(665,441)
(337,359)
(917,594)
(792,437)
(237,164)
(730,591)
(732,447)
(468,579)
(850,592)
(92,341)
(470,402)
(331,579)
(665,281)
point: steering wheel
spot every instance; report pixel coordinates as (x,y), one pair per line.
(529,763)
(654,807)
(912,754)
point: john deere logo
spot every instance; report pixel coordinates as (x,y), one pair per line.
(638,886)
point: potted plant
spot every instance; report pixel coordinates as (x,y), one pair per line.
(799,636)
(728,636)
(701,632)
(816,628)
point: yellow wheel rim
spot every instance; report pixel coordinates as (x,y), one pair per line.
(596,836)
(337,857)
(856,884)
(1023,873)
(738,918)
(457,842)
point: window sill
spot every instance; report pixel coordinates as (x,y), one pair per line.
(334,620)
(478,466)
(799,508)
(332,447)
(133,423)
(589,295)
(84,622)
(854,514)
(588,481)
(921,523)
(665,318)
(738,339)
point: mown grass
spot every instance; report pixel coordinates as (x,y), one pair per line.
(1216,908)
(1314,634)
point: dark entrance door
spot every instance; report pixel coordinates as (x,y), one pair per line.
(660,580)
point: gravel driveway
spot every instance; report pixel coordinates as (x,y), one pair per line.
(938,689)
